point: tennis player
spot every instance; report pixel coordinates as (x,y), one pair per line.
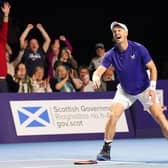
(131,61)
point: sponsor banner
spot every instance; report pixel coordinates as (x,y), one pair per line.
(51,117)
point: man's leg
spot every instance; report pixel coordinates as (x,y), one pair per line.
(116,110)
(160,118)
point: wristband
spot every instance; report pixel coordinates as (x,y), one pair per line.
(152,85)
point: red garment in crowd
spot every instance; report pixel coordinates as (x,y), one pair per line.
(3,40)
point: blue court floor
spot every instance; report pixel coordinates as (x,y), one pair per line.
(125,153)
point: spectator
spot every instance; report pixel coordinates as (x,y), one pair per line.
(34,55)
(11,65)
(96,60)
(39,84)
(109,82)
(65,81)
(53,57)
(3,41)
(22,79)
(66,57)
(54,53)
(84,76)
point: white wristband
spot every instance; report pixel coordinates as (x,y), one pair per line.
(152,85)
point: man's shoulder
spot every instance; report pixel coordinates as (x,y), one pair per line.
(111,51)
(136,44)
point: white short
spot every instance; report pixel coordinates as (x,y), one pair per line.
(127,100)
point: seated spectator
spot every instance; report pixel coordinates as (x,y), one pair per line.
(65,81)
(38,84)
(84,76)
(22,79)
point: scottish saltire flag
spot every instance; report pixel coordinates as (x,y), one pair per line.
(36,116)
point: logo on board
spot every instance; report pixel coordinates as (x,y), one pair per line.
(36,116)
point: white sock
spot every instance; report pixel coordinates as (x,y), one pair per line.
(108,141)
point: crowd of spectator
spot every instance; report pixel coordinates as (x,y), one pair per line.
(51,66)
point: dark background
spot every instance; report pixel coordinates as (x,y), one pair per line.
(86,26)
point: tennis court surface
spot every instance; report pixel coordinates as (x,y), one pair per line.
(125,153)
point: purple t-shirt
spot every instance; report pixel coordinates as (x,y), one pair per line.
(130,66)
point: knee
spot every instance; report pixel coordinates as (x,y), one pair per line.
(113,117)
(116,111)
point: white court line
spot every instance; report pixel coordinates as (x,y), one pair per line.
(74,159)
(38,160)
(100,163)
(117,162)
